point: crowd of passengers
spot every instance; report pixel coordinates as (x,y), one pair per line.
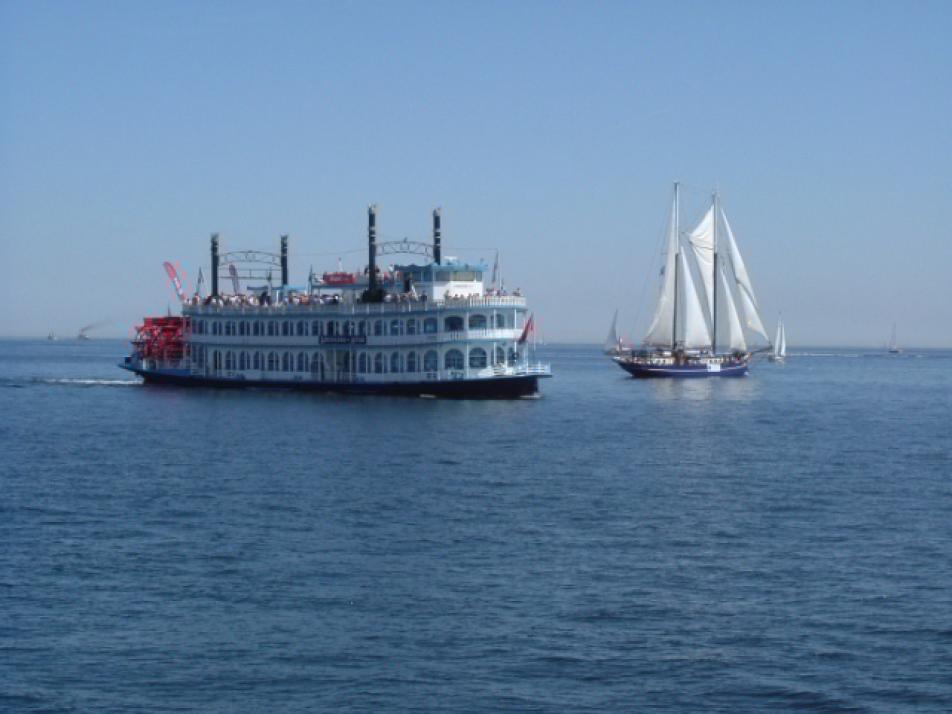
(681,357)
(266,298)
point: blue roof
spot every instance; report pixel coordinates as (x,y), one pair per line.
(444,266)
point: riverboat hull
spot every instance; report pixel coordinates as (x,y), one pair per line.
(502,387)
(642,370)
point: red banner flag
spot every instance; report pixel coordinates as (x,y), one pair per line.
(526,331)
(174,279)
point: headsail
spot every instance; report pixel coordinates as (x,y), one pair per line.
(735,332)
(748,300)
(661,332)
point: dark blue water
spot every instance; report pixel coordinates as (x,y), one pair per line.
(778,542)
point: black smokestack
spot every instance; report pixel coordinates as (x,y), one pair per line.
(284,261)
(437,239)
(372,246)
(373,292)
(215,264)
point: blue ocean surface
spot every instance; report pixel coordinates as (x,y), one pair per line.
(782,541)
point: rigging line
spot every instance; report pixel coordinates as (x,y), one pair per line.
(644,283)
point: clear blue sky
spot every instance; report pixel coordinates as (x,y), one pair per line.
(131,131)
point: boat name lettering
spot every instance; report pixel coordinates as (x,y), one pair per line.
(343,340)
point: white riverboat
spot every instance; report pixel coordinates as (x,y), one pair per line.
(429,329)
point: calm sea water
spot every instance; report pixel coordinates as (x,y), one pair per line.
(778,542)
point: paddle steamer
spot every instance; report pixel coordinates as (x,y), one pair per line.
(428,329)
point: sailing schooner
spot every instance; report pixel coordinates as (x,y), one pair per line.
(702,286)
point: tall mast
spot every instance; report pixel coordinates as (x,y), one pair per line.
(677,259)
(714,280)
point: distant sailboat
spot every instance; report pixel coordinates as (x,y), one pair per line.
(892,347)
(613,344)
(706,306)
(779,353)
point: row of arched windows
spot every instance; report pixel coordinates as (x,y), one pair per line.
(367,362)
(268,361)
(317,328)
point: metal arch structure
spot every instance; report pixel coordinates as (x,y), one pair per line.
(405,246)
(249,256)
(252,264)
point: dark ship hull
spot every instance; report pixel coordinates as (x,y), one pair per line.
(644,369)
(504,387)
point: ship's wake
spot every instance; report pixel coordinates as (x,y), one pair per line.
(15,382)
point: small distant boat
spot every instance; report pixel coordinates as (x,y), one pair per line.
(613,343)
(705,306)
(83,333)
(779,353)
(893,348)
(51,337)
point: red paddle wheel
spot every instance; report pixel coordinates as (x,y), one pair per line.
(160,339)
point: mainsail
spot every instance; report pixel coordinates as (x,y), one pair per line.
(661,332)
(748,301)
(694,322)
(702,245)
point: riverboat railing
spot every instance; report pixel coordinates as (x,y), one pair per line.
(354,308)
(502,334)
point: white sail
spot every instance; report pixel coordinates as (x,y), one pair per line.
(751,316)
(735,332)
(693,324)
(893,346)
(780,344)
(661,332)
(611,342)
(748,300)
(702,244)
